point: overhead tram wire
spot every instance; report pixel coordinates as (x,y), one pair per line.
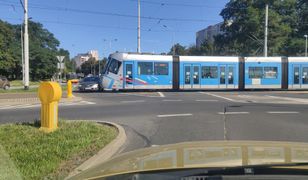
(183,4)
(50,8)
(175,4)
(102,26)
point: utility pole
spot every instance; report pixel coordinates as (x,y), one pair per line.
(138,35)
(26,46)
(306,36)
(266,30)
(22,54)
(173,44)
(99,68)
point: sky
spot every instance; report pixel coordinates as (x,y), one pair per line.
(111,25)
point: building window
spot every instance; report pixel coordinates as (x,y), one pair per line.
(209,72)
(270,72)
(114,66)
(145,68)
(255,72)
(161,68)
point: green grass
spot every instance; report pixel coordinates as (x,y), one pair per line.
(19,83)
(36,154)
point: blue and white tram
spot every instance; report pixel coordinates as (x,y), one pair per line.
(134,71)
(298,73)
(208,72)
(263,72)
(144,71)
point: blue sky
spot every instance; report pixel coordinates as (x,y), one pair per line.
(82,25)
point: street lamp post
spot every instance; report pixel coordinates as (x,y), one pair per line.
(110,41)
(306,36)
(266,30)
(26,46)
(138,29)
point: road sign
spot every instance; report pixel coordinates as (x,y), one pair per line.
(60,66)
(60,58)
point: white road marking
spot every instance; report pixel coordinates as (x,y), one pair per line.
(222,97)
(206,100)
(288,98)
(172,100)
(282,112)
(173,115)
(141,95)
(161,94)
(6,107)
(28,106)
(137,101)
(24,106)
(88,102)
(233,113)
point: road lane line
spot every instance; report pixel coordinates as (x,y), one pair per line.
(173,115)
(233,113)
(207,100)
(7,107)
(137,101)
(29,106)
(282,112)
(161,94)
(172,100)
(222,97)
(88,102)
(288,98)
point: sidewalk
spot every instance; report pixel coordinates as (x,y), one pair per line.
(29,98)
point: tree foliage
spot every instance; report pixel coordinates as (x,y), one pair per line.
(43,49)
(92,66)
(244,24)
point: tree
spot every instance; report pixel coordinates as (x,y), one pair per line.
(88,67)
(178,50)
(244,26)
(8,59)
(43,49)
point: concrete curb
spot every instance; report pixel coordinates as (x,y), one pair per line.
(104,154)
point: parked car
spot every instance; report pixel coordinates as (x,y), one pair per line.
(90,84)
(4,83)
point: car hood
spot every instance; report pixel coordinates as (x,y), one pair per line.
(205,154)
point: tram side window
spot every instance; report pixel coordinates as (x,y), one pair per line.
(114,66)
(255,72)
(145,68)
(161,69)
(270,72)
(209,72)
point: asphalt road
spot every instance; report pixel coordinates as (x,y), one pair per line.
(156,118)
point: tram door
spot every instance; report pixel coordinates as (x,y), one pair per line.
(192,76)
(128,76)
(226,76)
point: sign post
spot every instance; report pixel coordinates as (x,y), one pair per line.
(60,66)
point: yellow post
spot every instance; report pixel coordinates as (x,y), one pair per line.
(49,93)
(69,89)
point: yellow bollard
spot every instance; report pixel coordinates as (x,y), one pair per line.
(49,93)
(69,89)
